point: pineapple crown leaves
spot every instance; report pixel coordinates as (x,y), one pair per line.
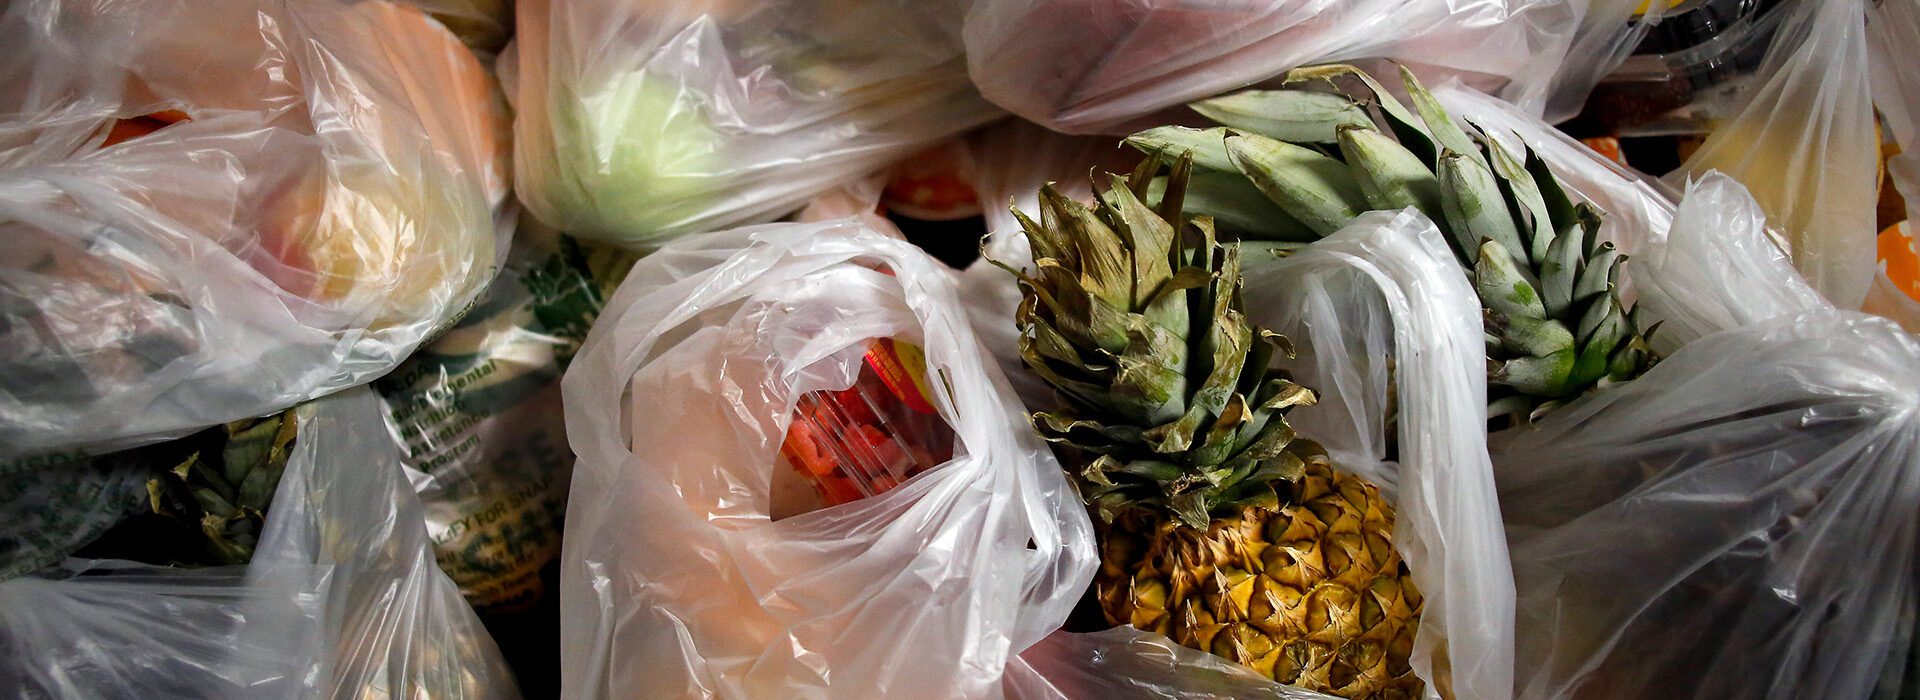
(226,498)
(1294,164)
(1133,313)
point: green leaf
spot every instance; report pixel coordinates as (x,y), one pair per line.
(1405,126)
(1475,210)
(1446,134)
(1287,115)
(1317,190)
(1391,176)
(1502,286)
(1207,147)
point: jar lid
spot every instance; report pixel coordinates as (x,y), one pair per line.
(1694,22)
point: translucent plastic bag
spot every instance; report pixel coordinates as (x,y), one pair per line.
(640,121)
(1805,145)
(323,199)
(1607,34)
(1738,522)
(1388,332)
(477,412)
(341,599)
(1102,66)
(676,581)
(1124,662)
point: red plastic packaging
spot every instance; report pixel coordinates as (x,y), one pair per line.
(868,438)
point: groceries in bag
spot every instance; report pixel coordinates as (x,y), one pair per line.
(339,595)
(639,122)
(478,414)
(198,240)
(678,577)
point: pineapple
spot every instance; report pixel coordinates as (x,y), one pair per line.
(1219,527)
(1295,165)
(227,497)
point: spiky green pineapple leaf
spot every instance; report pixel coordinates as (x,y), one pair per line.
(1486,193)
(1168,398)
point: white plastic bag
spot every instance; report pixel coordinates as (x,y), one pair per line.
(1102,66)
(1608,32)
(1125,662)
(1740,521)
(675,580)
(640,121)
(341,599)
(1388,333)
(330,201)
(1805,145)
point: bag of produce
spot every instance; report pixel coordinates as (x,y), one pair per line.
(1785,95)
(1109,65)
(322,580)
(800,474)
(217,209)
(477,412)
(1804,144)
(1346,543)
(637,122)
(1757,483)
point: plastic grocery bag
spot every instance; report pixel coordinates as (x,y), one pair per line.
(1805,145)
(1738,522)
(478,414)
(676,581)
(1124,662)
(637,122)
(1105,66)
(1388,332)
(1758,483)
(1607,33)
(219,208)
(341,599)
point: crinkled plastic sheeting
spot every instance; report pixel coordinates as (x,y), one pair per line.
(342,598)
(640,121)
(675,579)
(325,198)
(1107,66)
(1741,520)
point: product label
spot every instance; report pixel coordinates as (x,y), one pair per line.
(478,412)
(53,506)
(904,369)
